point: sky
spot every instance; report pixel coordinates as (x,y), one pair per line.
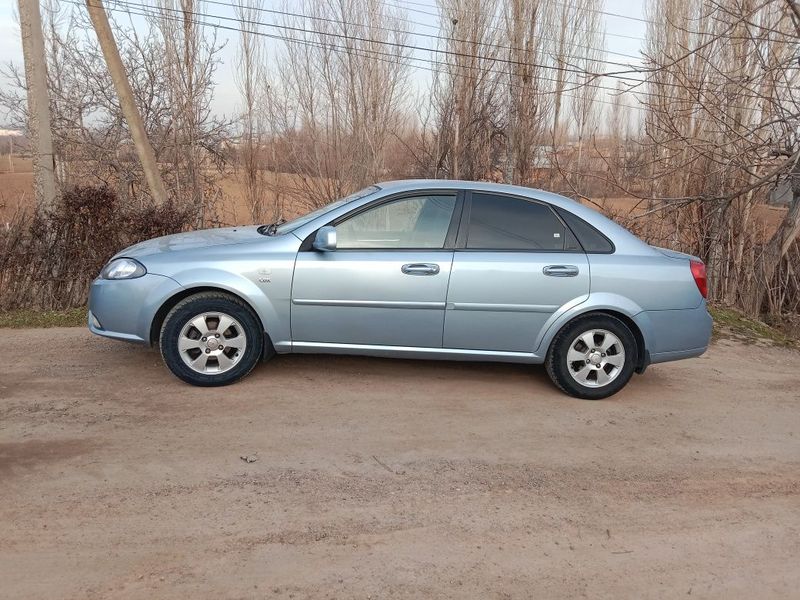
(620,34)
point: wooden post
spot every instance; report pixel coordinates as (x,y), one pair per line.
(108,45)
(30,21)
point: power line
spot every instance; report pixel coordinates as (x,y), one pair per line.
(422,48)
(148,11)
(619,75)
(613,75)
(566,4)
(436,14)
(153,12)
(630,81)
(424,35)
(438,27)
(329,34)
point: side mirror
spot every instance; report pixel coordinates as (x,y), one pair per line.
(325,240)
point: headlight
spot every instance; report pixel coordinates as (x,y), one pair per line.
(123,268)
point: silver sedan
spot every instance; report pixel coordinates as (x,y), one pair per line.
(413,269)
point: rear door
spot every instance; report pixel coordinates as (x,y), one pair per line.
(514,265)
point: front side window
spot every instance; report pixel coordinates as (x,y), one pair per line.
(507,223)
(418,222)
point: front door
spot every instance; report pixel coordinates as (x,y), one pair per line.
(386,282)
(515,264)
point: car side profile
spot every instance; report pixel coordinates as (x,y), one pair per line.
(452,270)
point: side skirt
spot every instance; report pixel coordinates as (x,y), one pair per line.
(415,352)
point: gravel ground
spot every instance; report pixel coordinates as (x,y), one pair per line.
(372,478)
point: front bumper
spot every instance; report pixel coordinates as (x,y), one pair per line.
(124,309)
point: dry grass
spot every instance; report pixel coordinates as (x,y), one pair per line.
(16,194)
(20,164)
(730,323)
(27,318)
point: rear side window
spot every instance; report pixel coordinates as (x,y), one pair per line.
(508,223)
(590,238)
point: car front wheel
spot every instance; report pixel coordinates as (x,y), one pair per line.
(211,339)
(592,357)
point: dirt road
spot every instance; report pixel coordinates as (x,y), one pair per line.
(387,479)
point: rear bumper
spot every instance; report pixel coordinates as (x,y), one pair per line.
(677,355)
(124,309)
(675,334)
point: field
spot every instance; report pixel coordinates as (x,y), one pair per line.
(16,191)
(343,477)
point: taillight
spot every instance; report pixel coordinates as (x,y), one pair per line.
(699,274)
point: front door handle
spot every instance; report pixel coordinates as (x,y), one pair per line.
(561,270)
(420,269)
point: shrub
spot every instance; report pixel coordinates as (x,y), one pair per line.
(49,258)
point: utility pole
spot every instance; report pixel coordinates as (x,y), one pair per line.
(108,45)
(30,21)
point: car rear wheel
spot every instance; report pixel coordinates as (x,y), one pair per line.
(592,357)
(211,339)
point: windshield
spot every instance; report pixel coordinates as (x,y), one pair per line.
(290,226)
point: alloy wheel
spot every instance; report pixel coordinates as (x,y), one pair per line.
(212,343)
(595,358)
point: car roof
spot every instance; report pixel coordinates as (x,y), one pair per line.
(402,185)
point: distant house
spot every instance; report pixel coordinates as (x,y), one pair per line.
(781,194)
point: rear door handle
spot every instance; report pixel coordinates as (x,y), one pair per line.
(561,270)
(420,269)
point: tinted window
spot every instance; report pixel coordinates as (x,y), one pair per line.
(591,239)
(506,223)
(418,222)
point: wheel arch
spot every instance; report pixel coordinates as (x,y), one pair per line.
(642,358)
(634,322)
(183,293)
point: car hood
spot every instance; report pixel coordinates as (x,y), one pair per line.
(204,238)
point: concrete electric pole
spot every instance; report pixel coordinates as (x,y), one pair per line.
(30,21)
(105,37)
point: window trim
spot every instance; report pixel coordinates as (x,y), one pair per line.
(461,242)
(450,236)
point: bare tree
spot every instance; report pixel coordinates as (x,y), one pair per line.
(571,35)
(190,62)
(250,76)
(343,85)
(527,23)
(584,103)
(722,122)
(567,21)
(467,92)
(92,141)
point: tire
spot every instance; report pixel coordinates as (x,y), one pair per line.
(197,351)
(567,365)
